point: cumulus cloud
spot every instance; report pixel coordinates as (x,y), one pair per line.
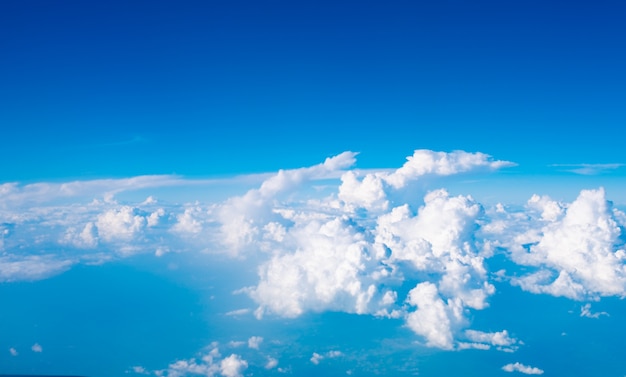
(13,351)
(579,251)
(485,340)
(188,221)
(438,240)
(271,363)
(371,192)
(36,348)
(87,238)
(233,366)
(243,217)
(316,357)
(208,364)
(433,319)
(517,367)
(324,257)
(331,267)
(425,162)
(255,342)
(120,223)
(354,246)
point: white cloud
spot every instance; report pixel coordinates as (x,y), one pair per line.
(372,191)
(233,366)
(31,267)
(366,193)
(588,169)
(438,240)
(188,221)
(334,354)
(550,210)
(36,348)
(242,217)
(433,319)
(87,238)
(155,217)
(238,312)
(207,364)
(316,357)
(580,255)
(139,370)
(255,342)
(477,346)
(517,367)
(120,223)
(425,162)
(14,195)
(585,311)
(332,267)
(348,247)
(325,258)
(500,339)
(182,368)
(13,351)
(271,363)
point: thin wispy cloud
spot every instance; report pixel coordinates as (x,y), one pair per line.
(588,169)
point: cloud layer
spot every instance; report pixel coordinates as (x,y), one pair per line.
(389,243)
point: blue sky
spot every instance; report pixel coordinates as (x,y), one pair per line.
(243,188)
(205,88)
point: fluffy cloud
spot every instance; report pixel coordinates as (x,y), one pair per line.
(316,357)
(439,240)
(579,251)
(36,348)
(233,366)
(424,162)
(434,319)
(208,364)
(485,340)
(87,238)
(13,351)
(120,223)
(332,267)
(188,221)
(372,191)
(352,246)
(255,342)
(517,367)
(271,363)
(326,258)
(243,217)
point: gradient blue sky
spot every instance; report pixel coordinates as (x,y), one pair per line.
(198,88)
(165,201)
